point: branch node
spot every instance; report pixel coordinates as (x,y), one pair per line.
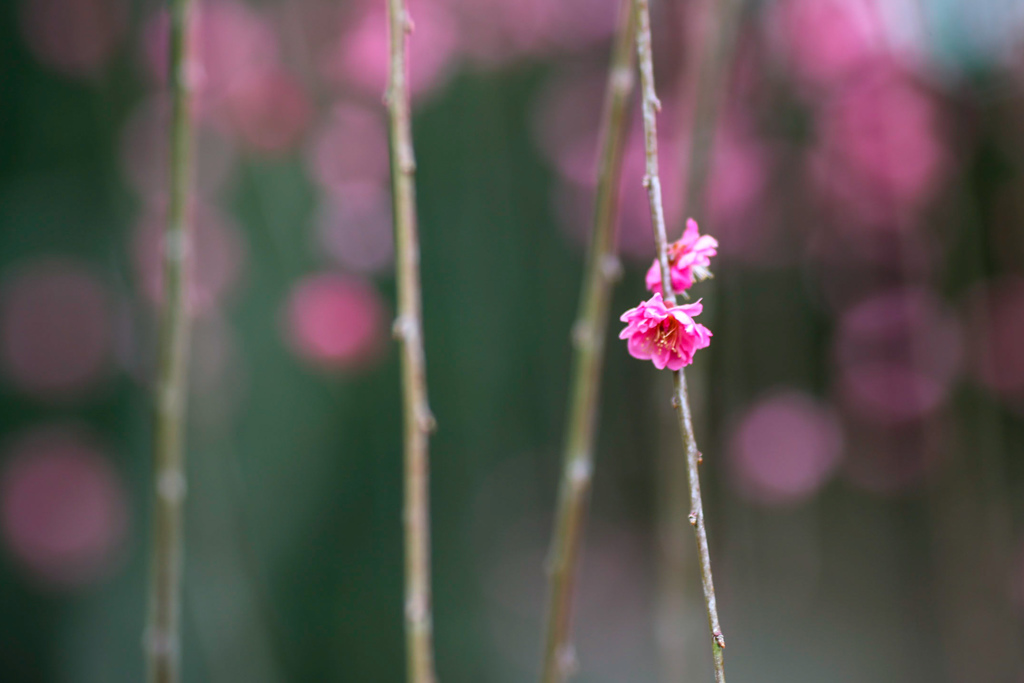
(171,485)
(402,329)
(160,643)
(583,335)
(694,518)
(719,639)
(416,609)
(611,268)
(647,181)
(567,662)
(675,402)
(700,458)
(425,419)
(407,22)
(579,472)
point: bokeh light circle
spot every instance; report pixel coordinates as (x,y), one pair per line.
(63,507)
(56,334)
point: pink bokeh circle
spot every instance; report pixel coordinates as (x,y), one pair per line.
(897,354)
(63,507)
(335,322)
(56,329)
(785,448)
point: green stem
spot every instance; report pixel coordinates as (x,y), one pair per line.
(680,399)
(162,642)
(418,420)
(588,340)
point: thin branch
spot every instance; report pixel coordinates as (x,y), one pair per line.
(680,400)
(418,420)
(588,340)
(162,641)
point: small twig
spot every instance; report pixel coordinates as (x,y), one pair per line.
(418,420)
(588,339)
(162,638)
(680,399)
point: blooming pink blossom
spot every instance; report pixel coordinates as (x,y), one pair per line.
(667,336)
(688,259)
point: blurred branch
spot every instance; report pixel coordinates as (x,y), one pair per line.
(418,420)
(162,641)
(680,400)
(588,337)
(715,60)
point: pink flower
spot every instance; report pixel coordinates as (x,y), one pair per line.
(688,257)
(668,337)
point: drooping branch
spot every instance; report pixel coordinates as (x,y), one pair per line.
(418,421)
(588,340)
(680,400)
(162,640)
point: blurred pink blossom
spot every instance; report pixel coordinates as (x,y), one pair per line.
(268,110)
(218,257)
(996,316)
(824,41)
(336,322)
(898,353)
(231,41)
(785,448)
(239,82)
(144,152)
(55,329)
(351,146)
(497,31)
(62,506)
(667,336)
(565,126)
(566,118)
(76,37)
(736,189)
(360,56)
(689,258)
(354,228)
(575,201)
(879,154)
